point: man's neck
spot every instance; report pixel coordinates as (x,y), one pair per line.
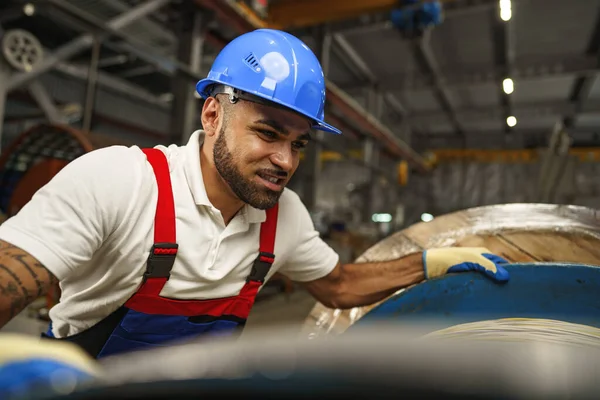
(217,191)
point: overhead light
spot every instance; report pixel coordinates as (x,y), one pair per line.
(508,85)
(29,9)
(426,217)
(381,217)
(511,121)
(505,10)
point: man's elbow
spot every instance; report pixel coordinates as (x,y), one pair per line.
(336,294)
(340,303)
(329,290)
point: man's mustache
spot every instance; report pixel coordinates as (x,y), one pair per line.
(275,172)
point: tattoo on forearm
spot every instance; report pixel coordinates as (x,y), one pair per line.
(15,290)
(30,269)
(22,280)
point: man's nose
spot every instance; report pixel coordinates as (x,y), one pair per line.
(283,157)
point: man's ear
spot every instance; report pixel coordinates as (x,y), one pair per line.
(211,116)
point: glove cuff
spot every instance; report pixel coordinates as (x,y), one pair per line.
(438,261)
(435,263)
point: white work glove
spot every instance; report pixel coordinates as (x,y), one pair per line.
(441,261)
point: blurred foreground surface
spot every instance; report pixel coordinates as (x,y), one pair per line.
(379,361)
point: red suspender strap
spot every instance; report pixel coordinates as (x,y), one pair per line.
(268,229)
(164,250)
(262,264)
(164,221)
(265,258)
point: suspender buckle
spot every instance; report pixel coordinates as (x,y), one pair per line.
(161,260)
(261,267)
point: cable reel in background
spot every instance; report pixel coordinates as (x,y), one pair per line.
(21,49)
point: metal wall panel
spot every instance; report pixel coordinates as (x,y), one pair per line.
(457,186)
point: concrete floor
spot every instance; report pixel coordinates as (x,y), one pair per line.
(281,309)
(26,322)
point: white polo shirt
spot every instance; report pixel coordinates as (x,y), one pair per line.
(92,227)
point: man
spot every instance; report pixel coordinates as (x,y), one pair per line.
(153,245)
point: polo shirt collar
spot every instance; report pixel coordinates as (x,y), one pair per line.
(195,181)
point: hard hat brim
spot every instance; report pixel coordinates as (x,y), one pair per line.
(201,88)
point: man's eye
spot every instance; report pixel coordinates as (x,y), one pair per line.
(299,145)
(269,134)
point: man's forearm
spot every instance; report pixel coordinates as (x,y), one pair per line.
(367,283)
(356,285)
(22,280)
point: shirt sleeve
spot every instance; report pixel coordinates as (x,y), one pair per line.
(69,218)
(310,257)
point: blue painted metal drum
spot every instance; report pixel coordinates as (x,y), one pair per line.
(565,292)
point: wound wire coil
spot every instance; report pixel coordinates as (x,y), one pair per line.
(523,330)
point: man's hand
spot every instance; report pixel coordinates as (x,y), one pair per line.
(438,262)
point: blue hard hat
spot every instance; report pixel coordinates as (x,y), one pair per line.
(275,66)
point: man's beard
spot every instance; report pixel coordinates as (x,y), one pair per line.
(247,191)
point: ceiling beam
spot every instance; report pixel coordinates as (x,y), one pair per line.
(427,62)
(343,125)
(550,67)
(381,22)
(113,83)
(369,124)
(155,136)
(537,109)
(483,135)
(583,85)
(130,44)
(82,42)
(243,20)
(366,72)
(291,14)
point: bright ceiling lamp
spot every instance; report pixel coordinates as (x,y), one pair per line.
(505,10)
(508,85)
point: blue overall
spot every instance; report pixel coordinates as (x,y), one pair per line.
(147,319)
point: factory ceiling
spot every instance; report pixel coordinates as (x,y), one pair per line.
(487,76)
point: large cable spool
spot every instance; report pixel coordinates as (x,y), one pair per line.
(38,154)
(525,234)
(552,297)
(523,330)
(542,302)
